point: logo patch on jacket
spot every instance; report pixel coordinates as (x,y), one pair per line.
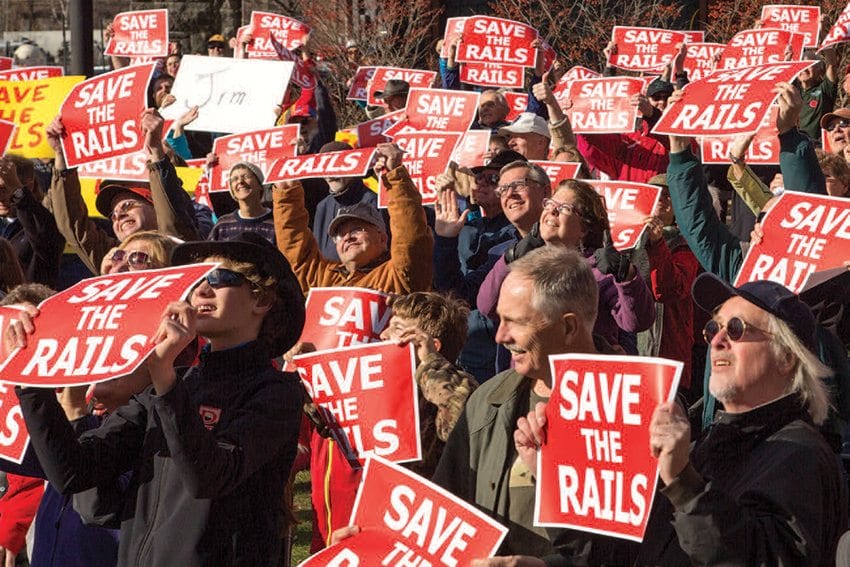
(210,415)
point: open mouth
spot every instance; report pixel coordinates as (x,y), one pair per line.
(206,308)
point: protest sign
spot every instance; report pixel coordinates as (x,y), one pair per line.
(143,33)
(803,234)
(233,95)
(517,104)
(360,84)
(7,131)
(261,147)
(643,49)
(6,63)
(454,27)
(471,149)
(758,47)
(558,170)
(840,30)
(344,316)
(367,395)
(32,105)
(268,28)
(727,103)
(427,154)
(31,73)
(603,106)
(595,472)
(799,19)
(407,520)
(498,75)
(700,59)
(694,36)
(128,167)
(100,328)
(413,77)
(350,163)
(579,72)
(13,433)
(101,115)
(497,40)
(764,149)
(440,110)
(371,132)
(302,71)
(628,204)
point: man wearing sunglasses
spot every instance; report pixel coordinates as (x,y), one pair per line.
(837,126)
(210,447)
(216,45)
(761,486)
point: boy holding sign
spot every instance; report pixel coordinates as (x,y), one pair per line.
(210,448)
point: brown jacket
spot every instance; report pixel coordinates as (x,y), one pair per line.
(409,267)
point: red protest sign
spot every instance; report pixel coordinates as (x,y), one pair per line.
(413,77)
(497,75)
(517,103)
(350,163)
(427,154)
(496,40)
(764,149)
(601,106)
(628,205)
(839,32)
(694,36)
(101,115)
(260,147)
(6,63)
(558,170)
(454,26)
(471,149)
(407,520)
(360,83)
(371,132)
(31,73)
(268,28)
(7,130)
(800,19)
(803,234)
(302,74)
(128,167)
(344,316)
(367,393)
(700,59)
(143,33)
(727,103)
(13,432)
(643,49)
(758,47)
(441,110)
(600,476)
(100,328)
(579,72)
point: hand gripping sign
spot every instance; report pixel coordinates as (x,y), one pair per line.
(100,328)
(496,40)
(799,19)
(413,77)
(344,316)
(628,205)
(700,59)
(349,163)
(643,49)
(371,132)
(498,75)
(31,73)
(454,26)
(367,395)
(603,106)
(758,47)
(427,154)
(558,170)
(595,471)
(266,27)
(261,147)
(407,520)
(764,149)
(13,433)
(803,234)
(101,115)
(139,34)
(727,103)
(839,32)
(440,110)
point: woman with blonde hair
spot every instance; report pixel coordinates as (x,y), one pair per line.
(146,250)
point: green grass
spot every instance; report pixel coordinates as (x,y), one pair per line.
(303,512)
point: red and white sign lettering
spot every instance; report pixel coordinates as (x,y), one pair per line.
(100,328)
(351,163)
(803,234)
(101,115)
(261,147)
(493,75)
(139,34)
(265,27)
(202,189)
(800,19)
(371,132)
(496,40)
(517,104)
(764,149)
(7,131)
(595,473)
(454,26)
(644,49)
(344,316)
(727,103)
(13,432)
(700,59)
(406,520)
(758,47)
(694,36)
(471,149)
(31,73)
(360,83)
(628,205)
(439,110)
(302,73)
(413,77)
(427,154)
(367,393)
(839,32)
(129,167)
(579,72)
(601,106)
(6,63)
(559,170)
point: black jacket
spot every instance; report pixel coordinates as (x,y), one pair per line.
(210,460)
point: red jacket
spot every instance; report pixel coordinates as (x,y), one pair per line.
(17,510)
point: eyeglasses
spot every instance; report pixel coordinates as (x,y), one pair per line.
(222,277)
(137,260)
(123,208)
(837,124)
(565,209)
(519,186)
(487,179)
(215,46)
(353,231)
(735,327)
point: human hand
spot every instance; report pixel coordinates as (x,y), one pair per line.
(610,261)
(654,228)
(55,131)
(176,331)
(449,221)
(529,435)
(151,125)
(389,156)
(344,533)
(20,327)
(609,51)
(670,440)
(790,106)
(642,104)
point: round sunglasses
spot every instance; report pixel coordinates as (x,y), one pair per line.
(735,327)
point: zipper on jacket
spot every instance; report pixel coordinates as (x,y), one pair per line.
(147,537)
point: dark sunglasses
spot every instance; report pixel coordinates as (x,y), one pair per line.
(735,327)
(837,124)
(136,260)
(222,277)
(215,45)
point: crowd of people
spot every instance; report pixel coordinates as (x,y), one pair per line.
(189,459)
